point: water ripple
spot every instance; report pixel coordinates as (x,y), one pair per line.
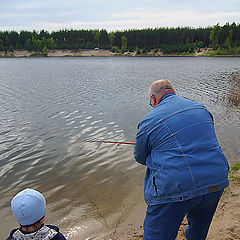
(47,105)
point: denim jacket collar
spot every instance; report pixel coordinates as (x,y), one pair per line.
(166,95)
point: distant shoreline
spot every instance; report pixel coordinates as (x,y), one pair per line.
(103,53)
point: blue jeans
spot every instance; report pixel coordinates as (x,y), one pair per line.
(163,221)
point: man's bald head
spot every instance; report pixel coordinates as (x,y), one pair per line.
(158,87)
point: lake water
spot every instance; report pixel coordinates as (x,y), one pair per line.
(47,104)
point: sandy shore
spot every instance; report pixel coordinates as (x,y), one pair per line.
(61,53)
(75,53)
(95,53)
(225,225)
(80,53)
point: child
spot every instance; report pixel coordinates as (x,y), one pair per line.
(29,207)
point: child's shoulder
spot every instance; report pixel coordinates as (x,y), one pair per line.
(59,236)
(11,233)
(53,227)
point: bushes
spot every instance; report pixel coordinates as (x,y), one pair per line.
(181,40)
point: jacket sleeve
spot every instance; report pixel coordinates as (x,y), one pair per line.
(142,146)
(12,232)
(59,236)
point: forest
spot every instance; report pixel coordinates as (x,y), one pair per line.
(176,40)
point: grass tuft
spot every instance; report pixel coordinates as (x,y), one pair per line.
(234,172)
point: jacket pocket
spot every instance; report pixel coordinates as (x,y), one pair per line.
(154,185)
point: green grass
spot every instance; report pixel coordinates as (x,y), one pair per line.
(233,171)
(236,166)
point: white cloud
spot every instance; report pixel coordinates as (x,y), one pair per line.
(38,15)
(27,6)
(156,18)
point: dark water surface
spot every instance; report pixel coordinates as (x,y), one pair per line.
(47,104)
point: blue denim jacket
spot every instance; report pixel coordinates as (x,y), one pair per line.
(177,143)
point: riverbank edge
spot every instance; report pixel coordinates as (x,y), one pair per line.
(104,53)
(225,224)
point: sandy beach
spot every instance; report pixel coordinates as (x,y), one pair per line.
(225,225)
(94,53)
(61,53)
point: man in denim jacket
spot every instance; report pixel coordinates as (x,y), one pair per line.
(186,168)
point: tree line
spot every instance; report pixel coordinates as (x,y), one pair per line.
(223,39)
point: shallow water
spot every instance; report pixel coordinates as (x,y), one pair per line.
(47,104)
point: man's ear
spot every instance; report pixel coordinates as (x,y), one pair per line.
(154,100)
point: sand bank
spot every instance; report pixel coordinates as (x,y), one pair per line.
(225,225)
(60,53)
(94,52)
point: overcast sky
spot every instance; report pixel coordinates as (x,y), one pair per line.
(115,14)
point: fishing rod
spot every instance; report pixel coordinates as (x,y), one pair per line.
(93,141)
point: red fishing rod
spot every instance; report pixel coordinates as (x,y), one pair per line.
(92,141)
